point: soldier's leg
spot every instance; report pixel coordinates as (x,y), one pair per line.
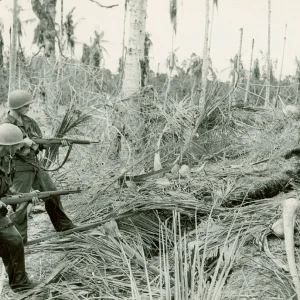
(53,205)
(12,253)
(22,183)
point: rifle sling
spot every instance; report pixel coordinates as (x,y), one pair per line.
(44,169)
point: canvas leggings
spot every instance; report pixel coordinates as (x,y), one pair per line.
(12,254)
(40,180)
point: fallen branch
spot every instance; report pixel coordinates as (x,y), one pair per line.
(77,229)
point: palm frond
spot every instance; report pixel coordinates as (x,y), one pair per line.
(72,119)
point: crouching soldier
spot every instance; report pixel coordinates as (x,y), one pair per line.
(28,173)
(11,244)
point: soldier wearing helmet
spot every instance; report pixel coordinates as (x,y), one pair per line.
(28,172)
(11,243)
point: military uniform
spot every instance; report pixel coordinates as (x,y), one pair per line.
(29,175)
(11,244)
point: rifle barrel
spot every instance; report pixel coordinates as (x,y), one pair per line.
(27,197)
(57,141)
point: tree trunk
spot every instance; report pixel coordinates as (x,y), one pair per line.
(240,52)
(134,57)
(297,81)
(134,47)
(249,75)
(280,75)
(205,64)
(171,68)
(13,49)
(238,68)
(62,20)
(211,26)
(268,81)
(1,50)
(123,47)
(46,12)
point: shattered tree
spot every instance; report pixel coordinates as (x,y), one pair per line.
(46,12)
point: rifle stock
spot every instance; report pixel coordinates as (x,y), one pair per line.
(27,197)
(58,141)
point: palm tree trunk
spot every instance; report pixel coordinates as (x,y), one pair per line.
(171,68)
(280,75)
(211,26)
(62,20)
(135,47)
(205,64)
(1,50)
(13,49)
(268,57)
(134,57)
(297,81)
(249,75)
(240,52)
(123,46)
(232,100)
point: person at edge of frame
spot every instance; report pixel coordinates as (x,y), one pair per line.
(11,243)
(28,171)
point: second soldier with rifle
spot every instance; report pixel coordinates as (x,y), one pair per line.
(11,243)
(29,173)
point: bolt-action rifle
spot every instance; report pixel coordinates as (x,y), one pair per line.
(58,141)
(27,197)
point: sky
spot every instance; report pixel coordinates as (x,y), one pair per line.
(229,17)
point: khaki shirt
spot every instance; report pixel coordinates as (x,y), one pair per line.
(30,129)
(5,182)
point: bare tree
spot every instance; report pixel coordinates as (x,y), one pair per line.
(280,75)
(134,53)
(1,46)
(249,75)
(46,13)
(13,48)
(268,80)
(206,61)
(132,123)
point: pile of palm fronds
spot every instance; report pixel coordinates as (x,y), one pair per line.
(186,262)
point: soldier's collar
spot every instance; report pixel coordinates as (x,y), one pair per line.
(4,163)
(13,120)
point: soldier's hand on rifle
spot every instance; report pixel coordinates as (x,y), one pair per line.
(2,204)
(65,143)
(36,200)
(28,142)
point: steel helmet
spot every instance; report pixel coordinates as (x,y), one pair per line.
(18,99)
(10,135)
